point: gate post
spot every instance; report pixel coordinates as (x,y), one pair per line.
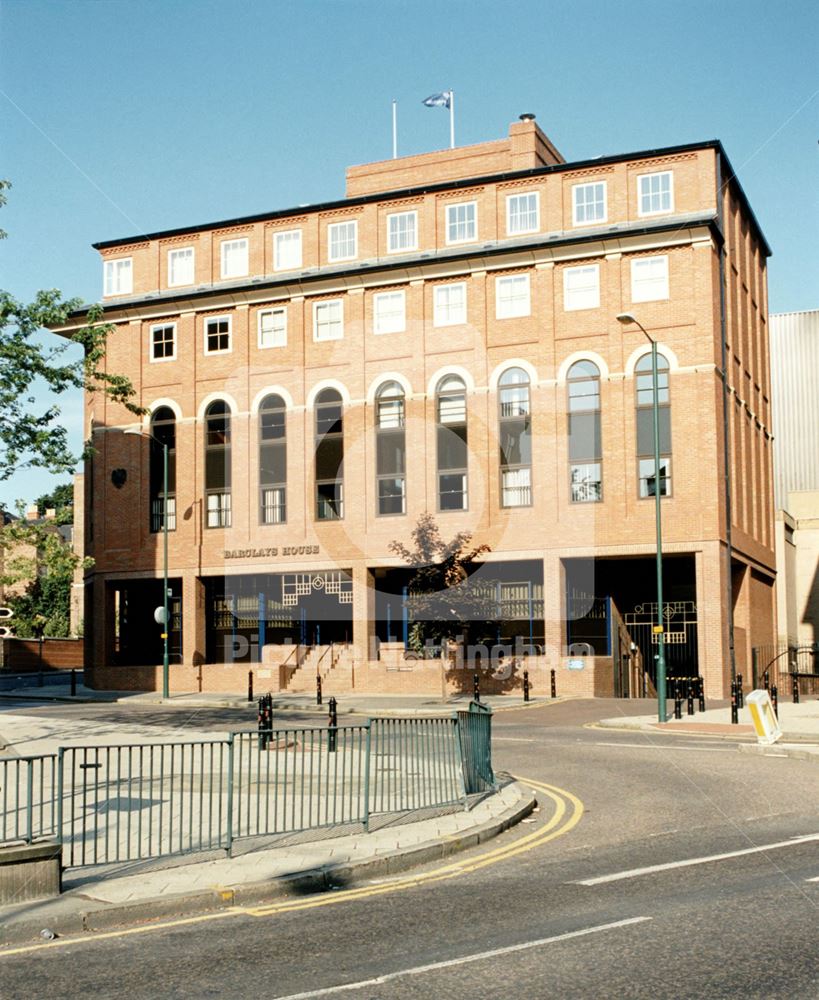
(367,778)
(229,810)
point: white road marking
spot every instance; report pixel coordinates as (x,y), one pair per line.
(511,739)
(651,869)
(812,879)
(661,746)
(463,960)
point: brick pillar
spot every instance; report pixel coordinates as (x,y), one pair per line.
(193,620)
(363,614)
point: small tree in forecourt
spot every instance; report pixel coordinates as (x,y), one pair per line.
(443,603)
(29,434)
(37,553)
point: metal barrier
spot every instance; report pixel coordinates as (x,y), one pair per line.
(28,796)
(113,803)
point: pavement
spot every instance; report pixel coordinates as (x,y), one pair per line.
(799,724)
(139,892)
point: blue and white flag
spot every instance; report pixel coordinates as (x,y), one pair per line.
(438,100)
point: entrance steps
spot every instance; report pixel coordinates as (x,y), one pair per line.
(322,661)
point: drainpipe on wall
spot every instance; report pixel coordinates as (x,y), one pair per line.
(726,437)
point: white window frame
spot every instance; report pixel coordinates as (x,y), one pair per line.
(657,211)
(332,229)
(390,321)
(529,229)
(391,247)
(516,304)
(580,295)
(293,239)
(113,273)
(317,307)
(450,223)
(223,250)
(218,319)
(590,222)
(188,280)
(275,311)
(169,357)
(654,287)
(438,308)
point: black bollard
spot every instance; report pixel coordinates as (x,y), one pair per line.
(333,723)
(476,687)
(250,685)
(525,685)
(766,682)
(795,688)
(734,708)
(318,689)
(689,690)
(775,701)
(265,720)
(740,695)
(677,699)
(73,683)
(701,692)
(554,684)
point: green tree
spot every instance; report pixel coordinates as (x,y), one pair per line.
(30,434)
(444,603)
(61,501)
(38,554)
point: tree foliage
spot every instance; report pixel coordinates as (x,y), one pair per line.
(61,501)
(443,602)
(37,555)
(30,433)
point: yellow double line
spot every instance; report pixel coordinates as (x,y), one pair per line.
(567,814)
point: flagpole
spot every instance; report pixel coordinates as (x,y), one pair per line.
(452,119)
(395,129)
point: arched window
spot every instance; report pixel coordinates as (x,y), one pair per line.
(163,432)
(585,454)
(645,426)
(450,412)
(515,437)
(217,465)
(329,455)
(273,460)
(390,449)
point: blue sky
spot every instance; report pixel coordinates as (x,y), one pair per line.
(122,117)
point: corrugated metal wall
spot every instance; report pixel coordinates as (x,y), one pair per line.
(795,401)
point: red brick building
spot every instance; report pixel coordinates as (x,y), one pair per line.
(444,339)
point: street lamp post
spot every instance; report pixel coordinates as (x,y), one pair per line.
(659,629)
(165,615)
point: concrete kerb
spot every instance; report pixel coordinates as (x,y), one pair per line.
(73,913)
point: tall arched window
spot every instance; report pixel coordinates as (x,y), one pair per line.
(163,431)
(585,452)
(515,437)
(217,465)
(450,411)
(273,460)
(329,455)
(390,449)
(645,426)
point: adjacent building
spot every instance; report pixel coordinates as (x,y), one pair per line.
(443,339)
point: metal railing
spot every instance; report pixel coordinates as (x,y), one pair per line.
(132,802)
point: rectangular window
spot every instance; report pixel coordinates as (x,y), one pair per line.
(328,320)
(234,258)
(118,276)
(522,213)
(392,495)
(287,250)
(217,334)
(452,491)
(218,510)
(655,193)
(158,514)
(586,482)
(402,232)
(581,287)
(462,222)
(342,240)
(648,481)
(512,296)
(274,510)
(163,342)
(589,203)
(180,267)
(273,328)
(389,312)
(449,304)
(330,501)
(649,279)
(516,487)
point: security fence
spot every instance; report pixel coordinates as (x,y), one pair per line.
(134,802)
